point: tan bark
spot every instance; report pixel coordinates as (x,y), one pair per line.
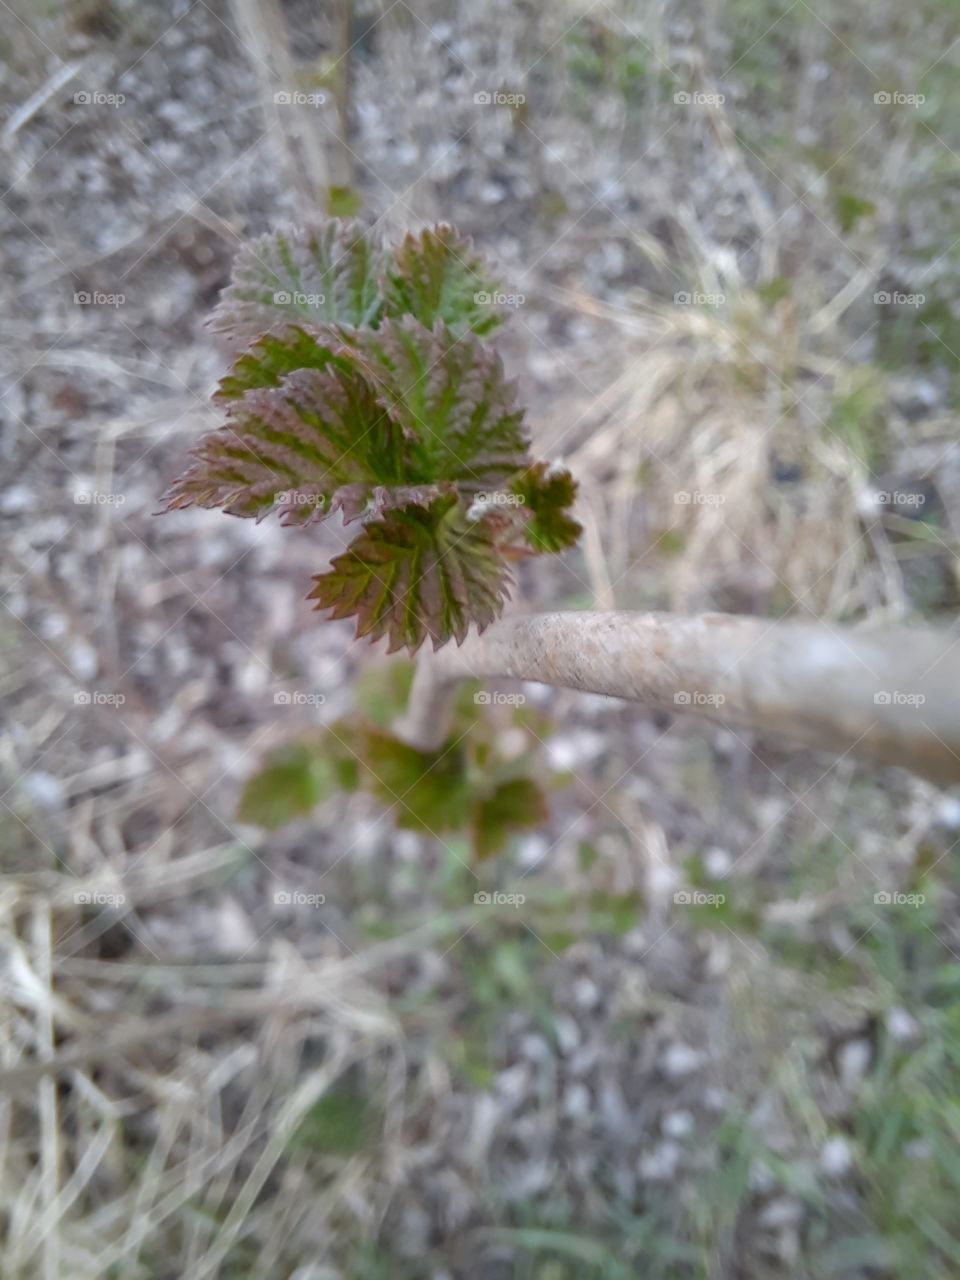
(891,695)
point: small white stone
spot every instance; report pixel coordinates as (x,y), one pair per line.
(853,1062)
(43,789)
(577,1103)
(836,1158)
(717,862)
(679,1060)
(83,660)
(902,1026)
(678,1124)
(567,1032)
(661,1163)
(782,1212)
(585,993)
(15,500)
(513,1083)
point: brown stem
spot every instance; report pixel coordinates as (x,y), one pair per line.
(891,695)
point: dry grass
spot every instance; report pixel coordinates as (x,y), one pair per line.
(507,1088)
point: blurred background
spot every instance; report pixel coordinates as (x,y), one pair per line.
(719,1037)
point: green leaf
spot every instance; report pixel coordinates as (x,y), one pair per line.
(328,273)
(320,420)
(437,275)
(282,350)
(341,1123)
(452,400)
(292,783)
(382,689)
(295,446)
(427,790)
(516,805)
(343,202)
(544,496)
(417,572)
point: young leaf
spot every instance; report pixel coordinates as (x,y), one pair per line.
(366,392)
(516,805)
(281,350)
(326,273)
(544,496)
(452,400)
(292,783)
(296,444)
(427,790)
(417,572)
(438,276)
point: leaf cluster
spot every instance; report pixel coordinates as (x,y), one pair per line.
(361,386)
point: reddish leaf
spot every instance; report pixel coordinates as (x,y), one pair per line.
(328,273)
(417,572)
